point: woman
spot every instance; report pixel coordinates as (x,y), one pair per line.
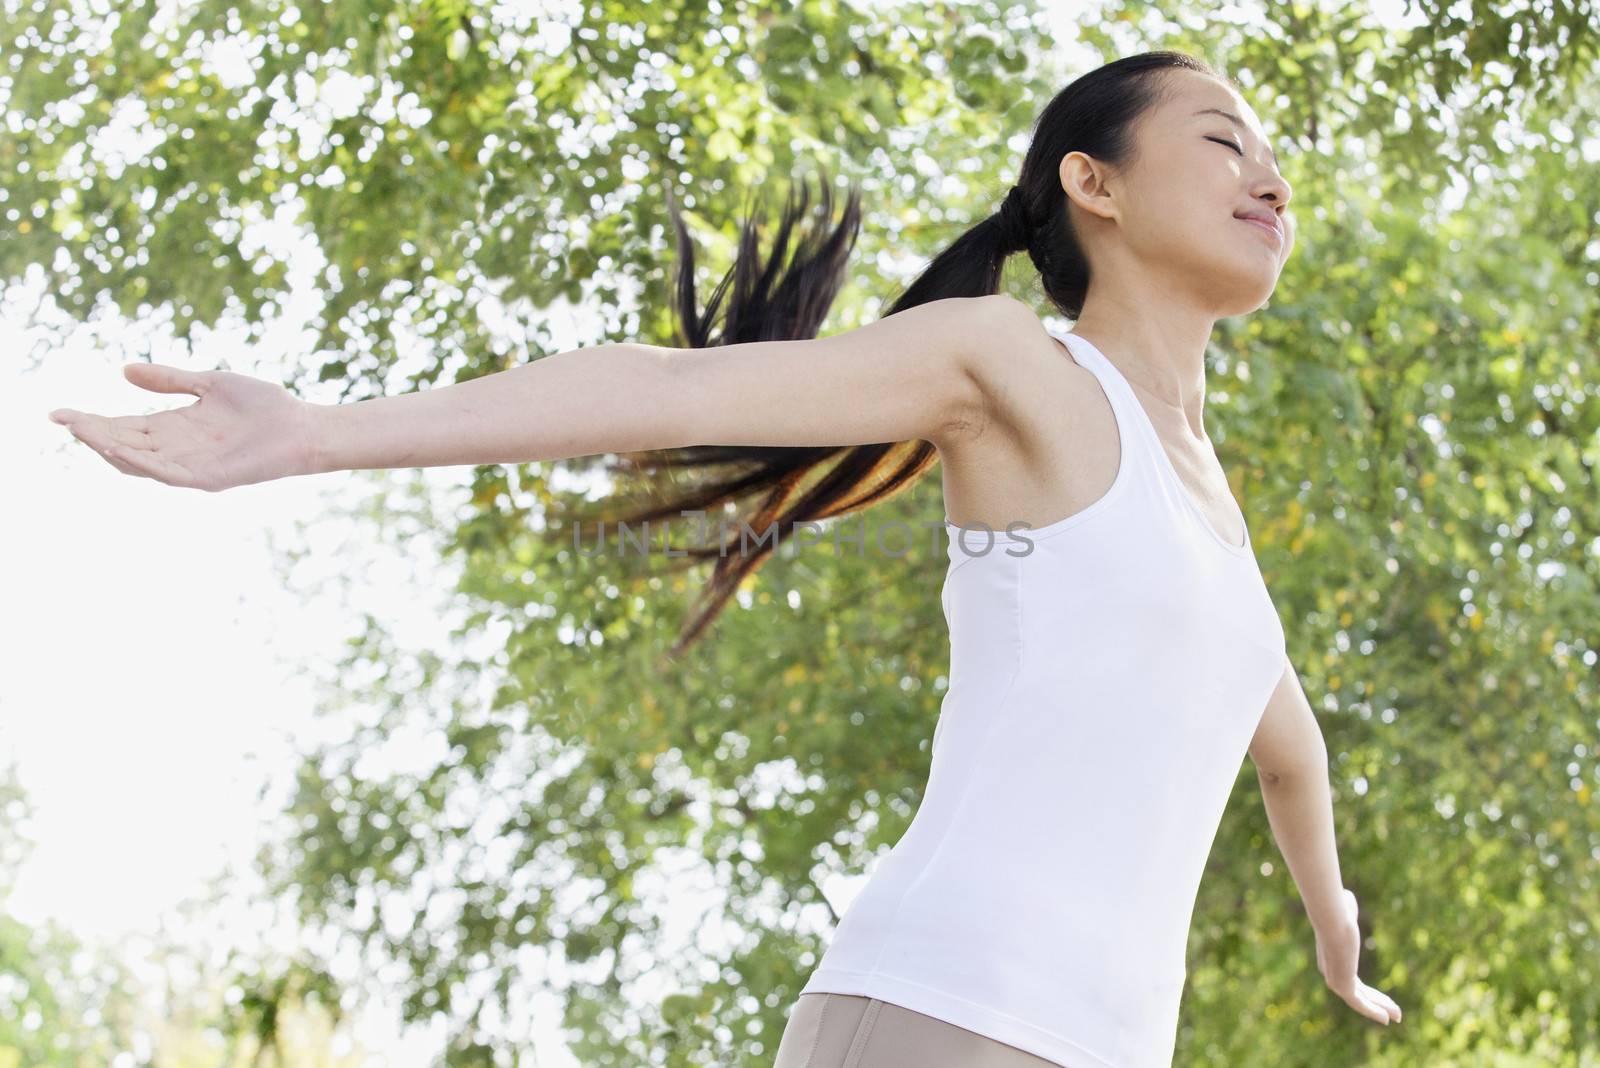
(1113,657)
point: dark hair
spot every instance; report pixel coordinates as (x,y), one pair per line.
(1094,115)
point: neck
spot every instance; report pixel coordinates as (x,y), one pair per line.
(1162,354)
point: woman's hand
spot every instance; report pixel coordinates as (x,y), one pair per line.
(1337,950)
(242,430)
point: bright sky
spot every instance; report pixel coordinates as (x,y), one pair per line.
(149,683)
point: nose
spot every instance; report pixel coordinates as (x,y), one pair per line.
(1275,188)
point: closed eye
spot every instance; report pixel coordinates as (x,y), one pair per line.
(1230,144)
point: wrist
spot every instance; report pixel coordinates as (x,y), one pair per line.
(1325,926)
(1331,914)
(316,441)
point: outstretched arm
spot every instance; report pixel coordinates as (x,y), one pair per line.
(1291,760)
(900,378)
(912,375)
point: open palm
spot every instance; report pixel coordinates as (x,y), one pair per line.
(242,430)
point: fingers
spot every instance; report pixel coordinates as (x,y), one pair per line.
(1375,1003)
(144,463)
(125,443)
(117,456)
(156,377)
(101,433)
(150,465)
(114,444)
(163,378)
(1357,999)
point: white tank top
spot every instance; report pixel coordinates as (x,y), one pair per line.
(1107,672)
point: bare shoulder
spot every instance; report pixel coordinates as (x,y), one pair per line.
(1040,442)
(1029,384)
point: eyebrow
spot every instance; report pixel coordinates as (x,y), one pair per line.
(1237,121)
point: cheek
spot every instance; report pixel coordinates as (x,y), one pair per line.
(1178,195)
(1203,207)
(1187,214)
(1204,191)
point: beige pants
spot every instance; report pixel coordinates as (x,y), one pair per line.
(850,1031)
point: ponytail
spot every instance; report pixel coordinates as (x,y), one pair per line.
(771,301)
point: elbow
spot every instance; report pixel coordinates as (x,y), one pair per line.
(1277,776)
(673,415)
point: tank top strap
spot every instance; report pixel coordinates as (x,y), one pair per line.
(1143,444)
(1137,438)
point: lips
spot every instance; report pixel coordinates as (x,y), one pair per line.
(1261,224)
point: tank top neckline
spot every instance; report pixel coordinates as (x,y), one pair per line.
(1154,441)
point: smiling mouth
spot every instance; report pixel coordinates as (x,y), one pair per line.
(1258,224)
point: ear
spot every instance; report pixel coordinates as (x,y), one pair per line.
(1084,180)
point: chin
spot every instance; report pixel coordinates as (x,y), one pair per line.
(1255,302)
(1240,293)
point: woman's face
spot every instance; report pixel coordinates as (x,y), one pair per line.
(1174,217)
